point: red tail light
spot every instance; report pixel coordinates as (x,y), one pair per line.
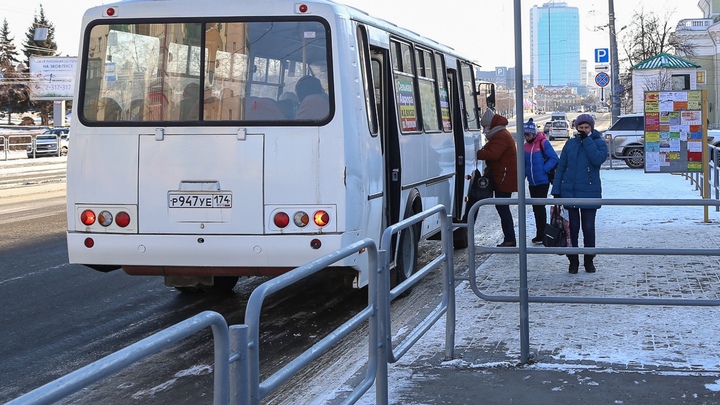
(87,217)
(281,220)
(122,219)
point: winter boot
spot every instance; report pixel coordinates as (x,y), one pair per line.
(574,264)
(588,262)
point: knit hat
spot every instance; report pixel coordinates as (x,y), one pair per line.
(487,117)
(585,119)
(529,127)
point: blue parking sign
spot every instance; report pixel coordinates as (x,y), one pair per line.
(602,55)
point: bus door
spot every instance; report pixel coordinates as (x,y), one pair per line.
(387,128)
(458,110)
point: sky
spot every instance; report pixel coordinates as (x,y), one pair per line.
(483,30)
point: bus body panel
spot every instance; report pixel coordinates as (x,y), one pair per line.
(216,190)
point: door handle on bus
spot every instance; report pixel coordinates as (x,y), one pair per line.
(395,174)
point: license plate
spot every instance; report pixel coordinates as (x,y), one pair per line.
(200,200)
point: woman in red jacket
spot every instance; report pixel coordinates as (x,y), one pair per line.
(500,156)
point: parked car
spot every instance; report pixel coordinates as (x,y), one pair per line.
(559,129)
(546,128)
(626,140)
(46,144)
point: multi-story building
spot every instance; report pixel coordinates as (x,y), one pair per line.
(703,34)
(555,45)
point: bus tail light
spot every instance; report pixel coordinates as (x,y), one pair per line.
(122,219)
(321,218)
(87,217)
(105,218)
(89,242)
(301,219)
(111,12)
(281,220)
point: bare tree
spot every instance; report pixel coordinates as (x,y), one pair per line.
(649,35)
(662,81)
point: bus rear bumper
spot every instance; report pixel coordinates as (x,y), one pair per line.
(203,255)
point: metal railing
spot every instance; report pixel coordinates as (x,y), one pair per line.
(523,297)
(12,142)
(237,348)
(93,372)
(713,180)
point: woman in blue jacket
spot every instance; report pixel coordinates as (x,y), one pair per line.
(578,176)
(540,159)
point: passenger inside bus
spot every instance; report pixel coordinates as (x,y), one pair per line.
(314,102)
(189,106)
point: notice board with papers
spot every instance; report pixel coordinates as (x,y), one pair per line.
(675,131)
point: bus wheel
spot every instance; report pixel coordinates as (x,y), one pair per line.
(189,290)
(223,284)
(407,256)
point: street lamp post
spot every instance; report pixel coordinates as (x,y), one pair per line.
(614,65)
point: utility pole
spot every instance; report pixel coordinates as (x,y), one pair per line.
(614,65)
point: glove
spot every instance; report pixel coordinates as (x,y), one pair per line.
(583,135)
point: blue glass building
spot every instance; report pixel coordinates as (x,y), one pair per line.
(555,45)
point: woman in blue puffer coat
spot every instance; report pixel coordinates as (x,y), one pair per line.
(540,158)
(578,176)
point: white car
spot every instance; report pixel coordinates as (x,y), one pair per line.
(559,129)
(46,144)
(626,140)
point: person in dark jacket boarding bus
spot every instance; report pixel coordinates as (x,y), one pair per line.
(500,156)
(540,159)
(578,176)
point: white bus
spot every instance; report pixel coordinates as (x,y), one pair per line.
(215,139)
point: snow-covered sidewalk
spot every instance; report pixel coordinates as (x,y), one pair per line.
(570,338)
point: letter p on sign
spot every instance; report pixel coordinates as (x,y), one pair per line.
(602,55)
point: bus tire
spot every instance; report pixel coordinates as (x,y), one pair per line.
(407,257)
(223,284)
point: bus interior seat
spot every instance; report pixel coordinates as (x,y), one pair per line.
(288,104)
(230,108)
(212,109)
(261,109)
(313,107)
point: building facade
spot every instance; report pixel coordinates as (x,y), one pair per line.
(704,36)
(555,45)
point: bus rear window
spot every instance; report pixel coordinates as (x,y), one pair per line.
(185,73)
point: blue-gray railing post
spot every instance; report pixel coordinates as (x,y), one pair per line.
(239,372)
(383,316)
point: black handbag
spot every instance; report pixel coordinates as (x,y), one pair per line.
(481,187)
(555,235)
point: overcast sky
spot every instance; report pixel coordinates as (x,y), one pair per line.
(483,29)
